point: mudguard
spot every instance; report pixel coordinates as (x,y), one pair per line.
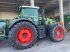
(20,19)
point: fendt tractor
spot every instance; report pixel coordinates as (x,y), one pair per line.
(22,32)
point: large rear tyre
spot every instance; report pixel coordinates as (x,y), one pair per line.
(56,33)
(23,35)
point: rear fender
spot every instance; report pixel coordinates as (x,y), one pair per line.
(18,20)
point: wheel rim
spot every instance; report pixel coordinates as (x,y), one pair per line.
(24,35)
(58,33)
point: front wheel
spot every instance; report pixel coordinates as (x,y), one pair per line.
(56,33)
(23,35)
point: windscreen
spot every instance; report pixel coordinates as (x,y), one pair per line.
(30,12)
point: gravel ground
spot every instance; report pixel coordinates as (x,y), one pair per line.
(42,45)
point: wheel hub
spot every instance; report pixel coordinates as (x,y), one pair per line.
(24,35)
(58,33)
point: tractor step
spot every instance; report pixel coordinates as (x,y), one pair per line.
(42,31)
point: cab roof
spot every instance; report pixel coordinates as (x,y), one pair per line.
(29,7)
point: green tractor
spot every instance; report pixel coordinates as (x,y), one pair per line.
(22,32)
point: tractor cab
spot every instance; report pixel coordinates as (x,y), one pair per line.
(30,13)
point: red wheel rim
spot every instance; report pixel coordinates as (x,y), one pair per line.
(24,35)
(58,33)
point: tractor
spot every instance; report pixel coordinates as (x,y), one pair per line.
(22,32)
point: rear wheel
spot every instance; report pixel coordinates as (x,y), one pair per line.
(23,35)
(56,33)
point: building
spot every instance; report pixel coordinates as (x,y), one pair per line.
(10,8)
